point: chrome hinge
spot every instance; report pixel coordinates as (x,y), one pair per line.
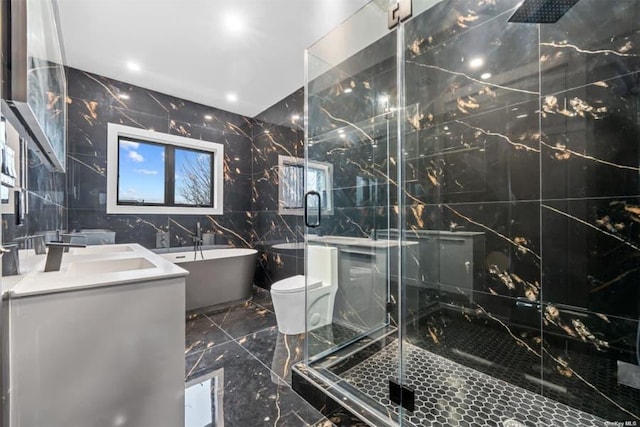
(401,11)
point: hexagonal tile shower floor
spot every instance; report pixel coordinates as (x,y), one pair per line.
(448,393)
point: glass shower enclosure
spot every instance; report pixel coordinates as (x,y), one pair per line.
(483,202)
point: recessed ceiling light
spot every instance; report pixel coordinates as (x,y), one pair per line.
(123,96)
(343,136)
(476,63)
(233,22)
(348,90)
(232,97)
(208,117)
(295,117)
(485,76)
(132,66)
(340,131)
(267,131)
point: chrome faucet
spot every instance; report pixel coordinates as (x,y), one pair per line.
(38,242)
(54,254)
(197,242)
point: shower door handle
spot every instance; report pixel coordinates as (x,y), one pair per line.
(307,196)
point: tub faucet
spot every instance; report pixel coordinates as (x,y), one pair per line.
(197,242)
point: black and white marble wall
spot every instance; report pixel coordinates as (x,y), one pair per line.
(93,102)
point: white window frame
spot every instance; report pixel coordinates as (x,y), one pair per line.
(115,131)
(328,171)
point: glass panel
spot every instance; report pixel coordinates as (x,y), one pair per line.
(590,152)
(523,307)
(192,177)
(46,83)
(351,111)
(140,172)
(471,160)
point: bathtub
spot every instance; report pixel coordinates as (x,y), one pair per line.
(223,276)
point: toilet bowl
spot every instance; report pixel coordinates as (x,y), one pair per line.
(321,284)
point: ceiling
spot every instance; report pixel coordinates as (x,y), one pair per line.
(201,50)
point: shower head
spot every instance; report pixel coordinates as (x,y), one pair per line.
(541,11)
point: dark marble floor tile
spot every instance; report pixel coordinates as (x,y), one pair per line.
(276,350)
(262,297)
(202,334)
(315,394)
(252,394)
(243,319)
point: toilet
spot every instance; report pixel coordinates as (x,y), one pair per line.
(288,294)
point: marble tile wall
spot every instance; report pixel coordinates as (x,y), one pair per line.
(46,209)
(352,128)
(278,131)
(45,195)
(94,101)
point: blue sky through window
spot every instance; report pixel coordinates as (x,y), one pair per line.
(141,172)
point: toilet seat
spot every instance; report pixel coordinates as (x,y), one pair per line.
(294,284)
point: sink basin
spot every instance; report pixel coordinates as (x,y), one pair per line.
(108,266)
(100,249)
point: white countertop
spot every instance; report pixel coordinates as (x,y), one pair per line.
(91,267)
(357,241)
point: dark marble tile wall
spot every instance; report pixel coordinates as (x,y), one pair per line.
(94,101)
(45,196)
(529,135)
(353,128)
(278,131)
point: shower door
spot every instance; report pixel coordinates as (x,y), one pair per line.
(351,129)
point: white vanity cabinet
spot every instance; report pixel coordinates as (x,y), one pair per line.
(110,353)
(367,274)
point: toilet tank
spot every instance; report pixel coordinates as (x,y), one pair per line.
(322,264)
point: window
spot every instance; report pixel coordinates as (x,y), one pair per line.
(292,184)
(152,172)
